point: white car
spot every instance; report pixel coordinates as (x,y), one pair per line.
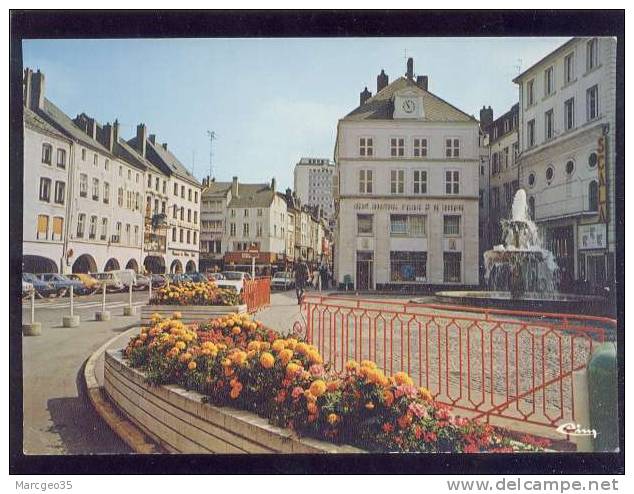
(233,280)
(27,288)
(283,280)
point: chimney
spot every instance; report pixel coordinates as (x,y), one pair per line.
(91,127)
(141,136)
(164,146)
(235,192)
(273,183)
(486,117)
(152,138)
(26,94)
(410,68)
(364,96)
(422,81)
(382,80)
(115,131)
(34,89)
(107,137)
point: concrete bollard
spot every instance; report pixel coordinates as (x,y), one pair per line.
(130,310)
(604,397)
(103,314)
(581,407)
(71,321)
(33,328)
(150,287)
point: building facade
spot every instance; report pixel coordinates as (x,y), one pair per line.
(567,163)
(313,183)
(213,214)
(407,202)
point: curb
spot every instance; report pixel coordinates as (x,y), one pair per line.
(128,432)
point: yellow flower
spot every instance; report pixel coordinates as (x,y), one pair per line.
(291,343)
(181,345)
(401,378)
(318,388)
(315,358)
(239,358)
(285,356)
(301,348)
(368,363)
(236,330)
(226,362)
(352,365)
(267,360)
(278,345)
(292,369)
(369,405)
(253,345)
(333,418)
(177,315)
(191,366)
(425,394)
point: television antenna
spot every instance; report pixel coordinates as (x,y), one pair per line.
(212,136)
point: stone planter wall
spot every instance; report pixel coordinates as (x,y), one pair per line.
(190,313)
(180,422)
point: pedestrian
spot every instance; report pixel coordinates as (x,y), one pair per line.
(301,278)
(323,273)
(315,277)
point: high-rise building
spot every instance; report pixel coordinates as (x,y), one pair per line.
(313,183)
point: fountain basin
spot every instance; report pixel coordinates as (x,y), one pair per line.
(531,301)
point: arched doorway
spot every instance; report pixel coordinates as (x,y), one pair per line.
(112,265)
(190,267)
(176,266)
(154,264)
(38,264)
(132,264)
(85,264)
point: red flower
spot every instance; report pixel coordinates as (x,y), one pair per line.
(387,428)
(471,448)
(418,432)
(281,396)
(430,437)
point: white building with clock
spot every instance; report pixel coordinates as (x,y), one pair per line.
(407,165)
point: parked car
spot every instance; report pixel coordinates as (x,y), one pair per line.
(27,288)
(198,277)
(142,282)
(282,280)
(113,283)
(158,280)
(61,284)
(89,282)
(42,288)
(177,277)
(126,276)
(233,280)
(215,276)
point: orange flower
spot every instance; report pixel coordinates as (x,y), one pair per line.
(235,392)
(369,405)
(333,418)
(236,330)
(425,394)
(318,388)
(401,378)
(332,386)
(292,369)
(315,358)
(388,396)
(312,408)
(286,355)
(177,315)
(352,365)
(278,345)
(191,366)
(267,360)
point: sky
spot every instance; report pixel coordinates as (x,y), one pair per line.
(269,101)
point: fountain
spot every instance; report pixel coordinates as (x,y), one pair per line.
(521,273)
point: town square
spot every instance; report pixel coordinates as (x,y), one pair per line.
(384,250)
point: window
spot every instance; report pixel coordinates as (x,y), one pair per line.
(189,236)
(136,234)
(81,222)
(592,160)
(550,173)
(42,227)
(408,266)
(232,229)
(95,189)
(516,151)
(397,147)
(452,182)
(530,92)
(420,182)
(531,180)
(106,165)
(189,215)
(365,146)
(137,201)
(530,133)
(407,225)
(592,54)
(495,198)
(58,227)
(570,167)
(548,125)
(157,183)
(233,213)
(175,189)
(104,228)
(127,233)
(83,155)
(365,181)
(451,267)
(189,194)
(45,189)
(397,181)
(569,68)
(120,171)
(195,241)
(117,238)
(548,81)
(245,230)
(173,234)
(83,185)
(507,125)
(106,193)
(258,230)
(182,191)
(259,211)
(506,157)
(364,224)
(531,207)
(156,206)
(164,187)
(195,217)
(569,113)
(593,196)
(120,197)
(47,153)
(92,230)
(163,206)
(451,225)
(60,192)
(95,160)
(592,103)
(495,163)
(61,158)
(246,213)
(182,216)
(196,197)
(452,148)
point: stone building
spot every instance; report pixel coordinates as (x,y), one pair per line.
(567,105)
(213,215)
(407,165)
(313,183)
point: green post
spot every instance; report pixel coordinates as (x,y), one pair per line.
(604,397)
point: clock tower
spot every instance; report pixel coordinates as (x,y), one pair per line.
(408,105)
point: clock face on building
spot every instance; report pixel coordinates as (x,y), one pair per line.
(409,105)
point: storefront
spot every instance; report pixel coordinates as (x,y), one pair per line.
(596,265)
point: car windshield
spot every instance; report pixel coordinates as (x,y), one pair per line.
(28,277)
(103,276)
(233,275)
(281,274)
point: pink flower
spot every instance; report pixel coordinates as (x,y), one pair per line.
(418,409)
(297,392)
(317,370)
(405,390)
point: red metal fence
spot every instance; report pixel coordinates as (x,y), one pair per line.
(257,293)
(509,364)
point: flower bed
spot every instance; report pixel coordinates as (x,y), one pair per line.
(236,361)
(196,302)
